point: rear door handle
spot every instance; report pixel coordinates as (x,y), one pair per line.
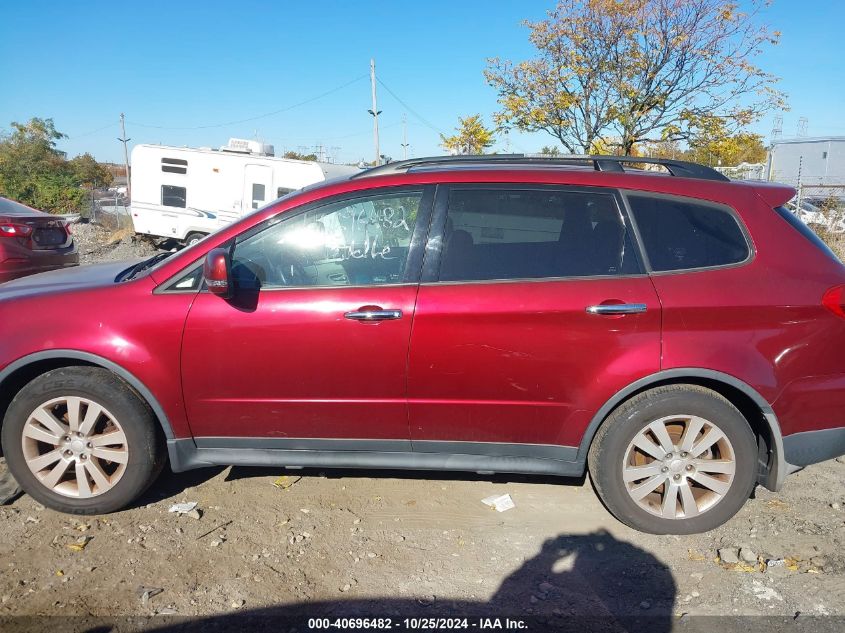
(619,308)
(376,314)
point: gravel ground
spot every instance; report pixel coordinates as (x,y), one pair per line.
(421,544)
(380,543)
(97,244)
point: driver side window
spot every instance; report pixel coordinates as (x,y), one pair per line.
(358,242)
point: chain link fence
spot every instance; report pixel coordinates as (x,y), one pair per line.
(110,209)
(744,171)
(822,206)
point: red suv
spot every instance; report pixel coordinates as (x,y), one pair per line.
(676,334)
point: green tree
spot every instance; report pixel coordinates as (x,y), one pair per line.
(297,156)
(714,144)
(551,151)
(34,172)
(472,137)
(89,172)
(637,71)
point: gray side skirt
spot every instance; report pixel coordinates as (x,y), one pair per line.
(812,447)
(187,454)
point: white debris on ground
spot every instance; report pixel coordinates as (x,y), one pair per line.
(183,508)
(500,503)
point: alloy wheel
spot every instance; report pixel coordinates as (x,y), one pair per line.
(679,466)
(75,447)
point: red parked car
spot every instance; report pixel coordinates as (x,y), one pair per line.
(677,335)
(32,241)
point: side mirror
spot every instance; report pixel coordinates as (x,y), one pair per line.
(217,271)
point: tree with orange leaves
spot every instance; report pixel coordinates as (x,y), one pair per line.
(622,72)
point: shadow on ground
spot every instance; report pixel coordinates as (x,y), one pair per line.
(246,472)
(170,484)
(575,583)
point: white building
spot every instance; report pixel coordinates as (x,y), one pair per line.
(816,163)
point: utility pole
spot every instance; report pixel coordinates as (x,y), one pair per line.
(375,111)
(404,136)
(125,140)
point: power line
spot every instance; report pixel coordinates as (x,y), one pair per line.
(255,118)
(410,109)
(99,129)
(345,136)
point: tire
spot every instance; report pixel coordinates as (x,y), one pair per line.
(193,238)
(109,407)
(621,471)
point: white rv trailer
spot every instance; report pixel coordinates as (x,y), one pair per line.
(187,193)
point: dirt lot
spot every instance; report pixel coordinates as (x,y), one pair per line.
(382,543)
(424,540)
(96,244)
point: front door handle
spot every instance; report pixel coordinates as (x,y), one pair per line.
(617,308)
(368,314)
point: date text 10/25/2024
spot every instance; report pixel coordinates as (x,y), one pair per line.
(426,624)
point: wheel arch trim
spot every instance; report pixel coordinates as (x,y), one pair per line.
(88,357)
(779,469)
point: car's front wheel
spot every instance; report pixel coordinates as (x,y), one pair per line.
(79,440)
(678,459)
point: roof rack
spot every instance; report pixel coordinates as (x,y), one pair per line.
(680,168)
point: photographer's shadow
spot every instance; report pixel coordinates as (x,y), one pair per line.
(592,578)
(590,582)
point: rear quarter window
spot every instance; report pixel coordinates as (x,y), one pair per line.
(682,234)
(806,231)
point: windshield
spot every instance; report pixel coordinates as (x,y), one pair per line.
(147,264)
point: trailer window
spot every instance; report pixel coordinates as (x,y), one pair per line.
(174,165)
(173,196)
(282,191)
(258,191)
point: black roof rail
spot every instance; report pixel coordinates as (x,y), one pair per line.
(680,168)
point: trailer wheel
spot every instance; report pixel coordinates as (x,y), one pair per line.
(193,238)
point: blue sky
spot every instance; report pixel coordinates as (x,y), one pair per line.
(189,64)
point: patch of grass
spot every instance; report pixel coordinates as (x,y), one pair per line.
(836,241)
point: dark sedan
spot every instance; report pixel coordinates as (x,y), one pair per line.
(32,241)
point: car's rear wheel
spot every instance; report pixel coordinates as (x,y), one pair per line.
(79,440)
(678,459)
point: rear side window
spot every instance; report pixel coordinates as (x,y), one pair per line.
(806,231)
(682,235)
(529,234)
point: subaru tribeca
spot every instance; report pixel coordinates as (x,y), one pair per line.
(675,334)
